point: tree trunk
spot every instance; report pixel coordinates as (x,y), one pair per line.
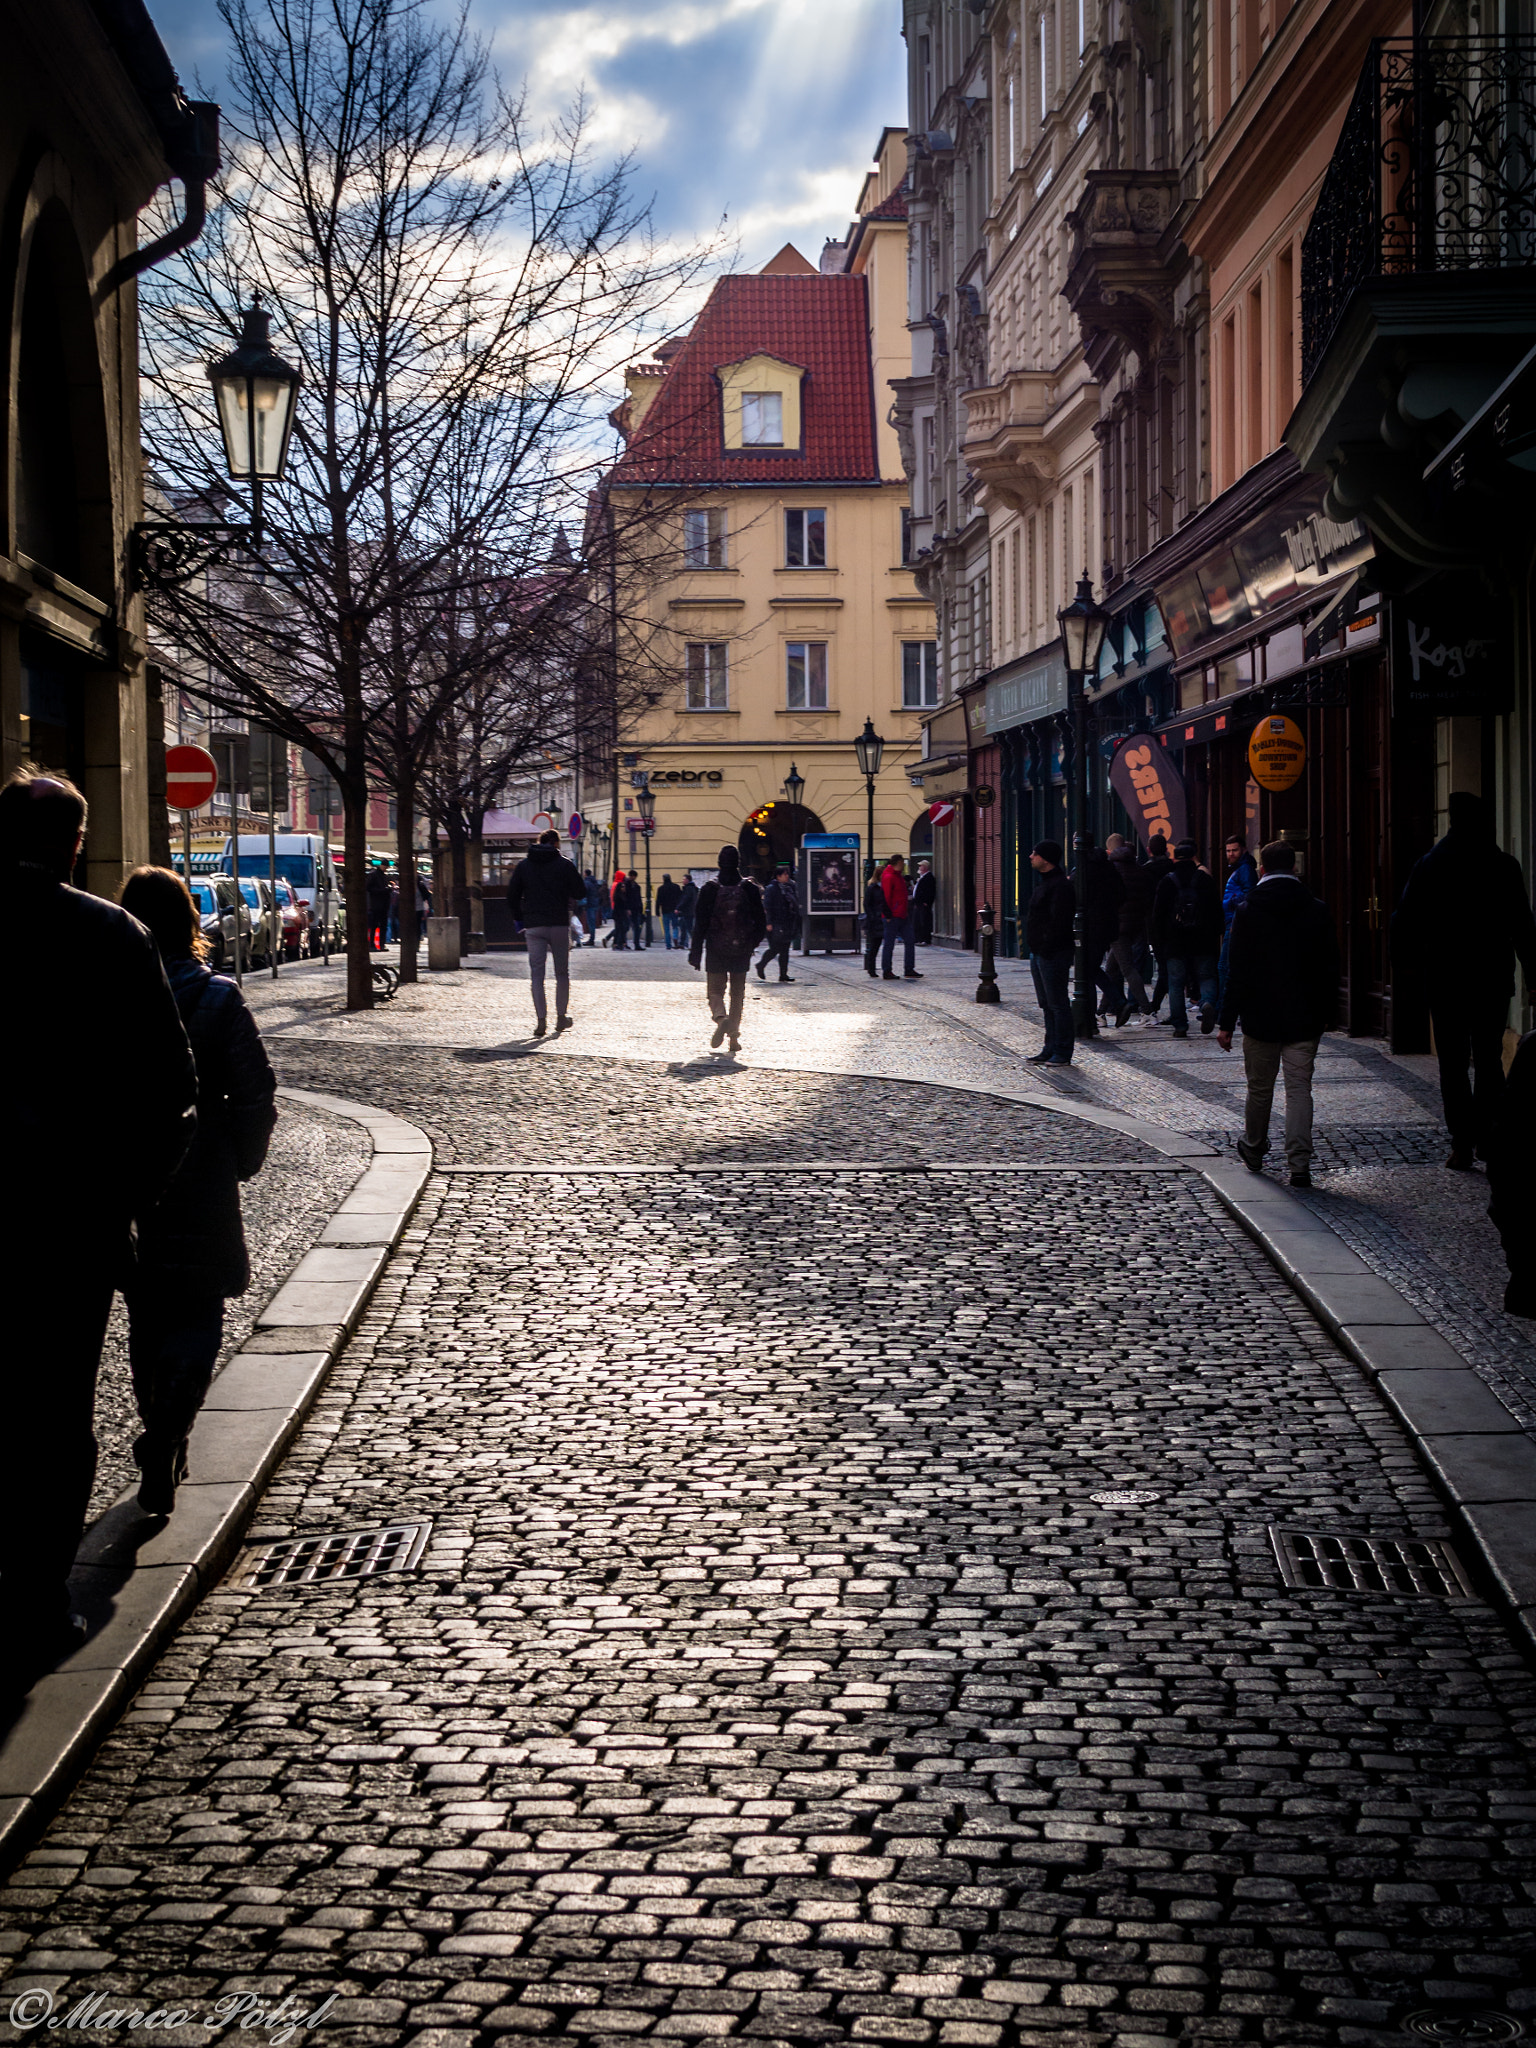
(405,861)
(354,796)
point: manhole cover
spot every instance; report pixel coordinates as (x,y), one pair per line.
(1370,1564)
(322,1560)
(1123,1497)
(1473,2024)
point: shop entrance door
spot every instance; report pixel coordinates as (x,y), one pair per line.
(1368,842)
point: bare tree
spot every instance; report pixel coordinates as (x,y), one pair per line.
(457,291)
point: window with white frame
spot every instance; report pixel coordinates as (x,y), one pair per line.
(805,675)
(805,538)
(919,674)
(762,419)
(704,539)
(706,676)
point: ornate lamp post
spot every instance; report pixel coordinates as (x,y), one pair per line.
(794,785)
(868,749)
(1082,635)
(647,802)
(256,394)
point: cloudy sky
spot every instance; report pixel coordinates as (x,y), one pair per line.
(765,111)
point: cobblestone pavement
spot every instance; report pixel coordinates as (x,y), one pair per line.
(828,1633)
(311,1164)
(1426,1231)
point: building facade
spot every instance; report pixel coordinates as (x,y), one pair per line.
(92,121)
(787,615)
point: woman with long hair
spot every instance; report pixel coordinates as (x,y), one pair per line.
(191,1250)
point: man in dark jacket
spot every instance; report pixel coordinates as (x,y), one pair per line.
(634,904)
(781,907)
(726,929)
(1463,919)
(594,905)
(1048,934)
(1132,925)
(1105,894)
(540,895)
(1186,931)
(687,911)
(666,903)
(874,923)
(378,908)
(1282,987)
(102,1109)
(1156,865)
(924,894)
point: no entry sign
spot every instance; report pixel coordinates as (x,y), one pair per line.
(191,777)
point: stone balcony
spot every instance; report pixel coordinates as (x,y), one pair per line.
(1125,260)
(1015,429)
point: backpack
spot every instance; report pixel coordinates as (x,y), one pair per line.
(1188,912)
(730,922)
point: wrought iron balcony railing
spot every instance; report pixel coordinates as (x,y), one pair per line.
(1434,170)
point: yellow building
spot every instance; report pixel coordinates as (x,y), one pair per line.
(788,615)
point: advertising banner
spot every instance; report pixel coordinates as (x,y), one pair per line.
(1144,778)
(832,881)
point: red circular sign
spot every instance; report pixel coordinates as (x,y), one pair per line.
(191,777)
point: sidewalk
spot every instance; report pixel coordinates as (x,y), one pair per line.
(1381,1183)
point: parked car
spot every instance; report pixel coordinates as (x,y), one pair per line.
(257,891)
(300,862)
(221,914)
(295,921)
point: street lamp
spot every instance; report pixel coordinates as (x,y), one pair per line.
(868,749)
(256,394)
(647,802)
(794,785)
(1082,635)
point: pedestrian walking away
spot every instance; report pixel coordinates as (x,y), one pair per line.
(1282,988)
(1463,919)
(594,905)
(898,920)
(687,910)
(1241,877)
(634,904)
(727,928)
(781,906)
(666,902)
(1104,893)
(620,906)
(1133,925)
(874,923)
(191,1254)
(1157,865)
(1186,932)
(924,894)
(379,893)
(1048,934)
(541,895)
(103,1113)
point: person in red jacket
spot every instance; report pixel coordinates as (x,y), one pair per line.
(898,919)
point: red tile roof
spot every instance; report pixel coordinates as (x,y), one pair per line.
(818,323)
(893,208)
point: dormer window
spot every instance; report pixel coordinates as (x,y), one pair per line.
(762,419)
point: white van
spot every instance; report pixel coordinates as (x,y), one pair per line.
(300,862)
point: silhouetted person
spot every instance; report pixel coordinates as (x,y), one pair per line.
(781,906)
(191,1246)
(102,1108)
(545,888)
(1464,916)
(727,927)
(925,891)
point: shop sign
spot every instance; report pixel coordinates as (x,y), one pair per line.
(1446,659)
(1277,753)
(941,813)
(1035,692)
(682,775)
(1151,788)
(985,796)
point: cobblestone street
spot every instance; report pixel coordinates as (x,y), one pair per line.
(826,1633)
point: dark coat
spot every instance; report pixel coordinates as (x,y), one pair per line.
(667,896)
(924,890)
(193,1240)
(103,1092)
(1138,884)
(688,898)
(544,887)
(874,903)
(781,907)
(378,893)
(1464,916)
(718,958)
(634,899)
(1048,920)
(1183,942)
(1282,966)
(1106,894)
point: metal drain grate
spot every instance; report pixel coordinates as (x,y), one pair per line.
(1466,2023)
(322,1560)
(1370,1564)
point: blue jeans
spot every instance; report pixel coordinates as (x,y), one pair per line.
(1053,974)
(898,928)
(1182,969)
(671,928)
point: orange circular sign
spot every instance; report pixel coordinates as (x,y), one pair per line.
(1277,752)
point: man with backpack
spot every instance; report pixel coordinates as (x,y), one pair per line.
(727,927)
(1186,932)
(782,909)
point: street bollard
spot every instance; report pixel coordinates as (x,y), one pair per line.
(442,944)
(986,987)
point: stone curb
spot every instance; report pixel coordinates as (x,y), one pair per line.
(136,1580)
(1480,1459)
